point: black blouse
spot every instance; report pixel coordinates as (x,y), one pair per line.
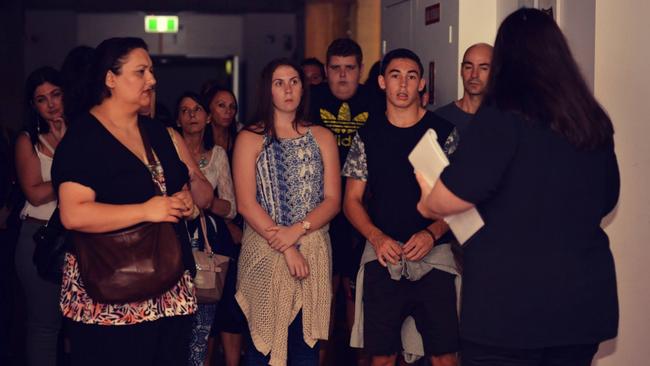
(91,156)
(540,272)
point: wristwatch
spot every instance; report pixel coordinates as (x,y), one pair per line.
(306,225)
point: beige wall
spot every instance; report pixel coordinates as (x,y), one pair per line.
(621,85)
(477,22)
(577,20)
(327,20)
(366,30)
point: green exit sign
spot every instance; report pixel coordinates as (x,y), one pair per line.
(161,24)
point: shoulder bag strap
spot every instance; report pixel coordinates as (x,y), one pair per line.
(204,228)
(170,131)
(151,160)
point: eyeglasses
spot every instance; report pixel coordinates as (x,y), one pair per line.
(191,111)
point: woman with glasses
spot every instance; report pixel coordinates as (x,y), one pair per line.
(194,122)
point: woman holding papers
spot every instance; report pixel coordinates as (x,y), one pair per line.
(539,165)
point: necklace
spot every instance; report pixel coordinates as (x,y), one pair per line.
(203,161)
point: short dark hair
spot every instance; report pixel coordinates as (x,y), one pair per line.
(110,55)
(344,47)
(534,74)
(400,53)
(265,116)
(34,123)
(208,140)
(314,62)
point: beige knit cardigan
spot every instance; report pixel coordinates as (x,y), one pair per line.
(270,297)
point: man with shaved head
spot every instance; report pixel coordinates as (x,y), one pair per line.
(475,71)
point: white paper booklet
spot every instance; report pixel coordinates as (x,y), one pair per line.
(429,159)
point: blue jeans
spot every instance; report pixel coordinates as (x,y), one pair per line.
(299,353)
(42,301)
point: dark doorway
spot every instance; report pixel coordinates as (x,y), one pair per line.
(177,74)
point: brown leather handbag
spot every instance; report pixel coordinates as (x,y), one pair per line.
(133,264)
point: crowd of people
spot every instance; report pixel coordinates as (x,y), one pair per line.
(315,196)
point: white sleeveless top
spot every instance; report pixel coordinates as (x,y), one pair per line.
(44,211)
(217,171)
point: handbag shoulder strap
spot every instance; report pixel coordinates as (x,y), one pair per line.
(204,229)
(172,135)
(151,160)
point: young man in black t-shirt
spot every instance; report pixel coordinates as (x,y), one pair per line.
(343,105)
(399,235)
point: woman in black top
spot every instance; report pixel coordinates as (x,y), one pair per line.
(538,163)
(106,183)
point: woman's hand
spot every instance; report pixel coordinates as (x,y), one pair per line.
(297,264)
(438,201)
(164,209)
(58,128)
(185,196)
(425,190)
(284,237)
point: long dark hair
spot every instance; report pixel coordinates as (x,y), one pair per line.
(110,55)
(534,74)
(265,116)
(208,140)
(34,123)
(207,101)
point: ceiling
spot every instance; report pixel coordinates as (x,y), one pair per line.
(209,6)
